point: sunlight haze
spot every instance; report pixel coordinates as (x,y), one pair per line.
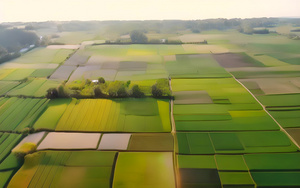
(64,10)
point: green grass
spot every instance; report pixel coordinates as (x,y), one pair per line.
(276,161)
(11,162)
(50,117)
(6,86)
(235,142)
(288,58)
(7,143)
(5,72)
(91,158)
(234,120)
(66,169)
(275,179)
(34,88)
(231,162)
(241,74)
(287,118)
(119,115)
(194,143)
(268,60)
(19,74)
(44,55)
(213,108)
(284,100)
(217,88)
(292,47)
(139,107)
(226,141)
(239,179)
(18,113)
(196,161)
(5,177)
(144,169)
(74,37)
(42,73)
(195,66)
(27,89)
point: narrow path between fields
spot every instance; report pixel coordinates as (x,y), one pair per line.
(281,128)
(173,132)
(172,106)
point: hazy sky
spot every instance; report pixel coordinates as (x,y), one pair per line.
(44,10)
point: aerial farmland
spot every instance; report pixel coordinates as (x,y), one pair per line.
(93,107)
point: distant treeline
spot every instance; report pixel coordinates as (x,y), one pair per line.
(118,28)
(161,26)
(167,26)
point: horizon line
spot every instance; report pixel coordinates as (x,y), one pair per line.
(74,20)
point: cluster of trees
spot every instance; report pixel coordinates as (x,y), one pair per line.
(247,29)
(111,89)
(13,40)
(137,36)
(161,89)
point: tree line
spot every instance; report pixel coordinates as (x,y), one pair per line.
(110,89)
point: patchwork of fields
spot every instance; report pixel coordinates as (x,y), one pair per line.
(233,122)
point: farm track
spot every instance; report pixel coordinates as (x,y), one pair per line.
(173,132)
(281,128)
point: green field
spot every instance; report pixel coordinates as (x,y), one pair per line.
(140,169)
(65,169)
(33,88)
(103,115)
(17,113)
(234,142)
(44,55)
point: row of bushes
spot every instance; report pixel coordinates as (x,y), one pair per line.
(111,89)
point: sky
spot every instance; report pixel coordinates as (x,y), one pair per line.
(65,10)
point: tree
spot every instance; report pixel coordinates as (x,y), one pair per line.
(24,149)
(44,41)
(116,88)
(128,83)
(136,92)
(122,91)
(88,82)
(15,39)
(156,92)
(101,80)
(138,37)
(195,30)
(161,88)
(61,91)
(98,93)
(52,93)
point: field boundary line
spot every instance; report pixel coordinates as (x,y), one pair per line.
(173,132)
(264,108)
(172,108)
